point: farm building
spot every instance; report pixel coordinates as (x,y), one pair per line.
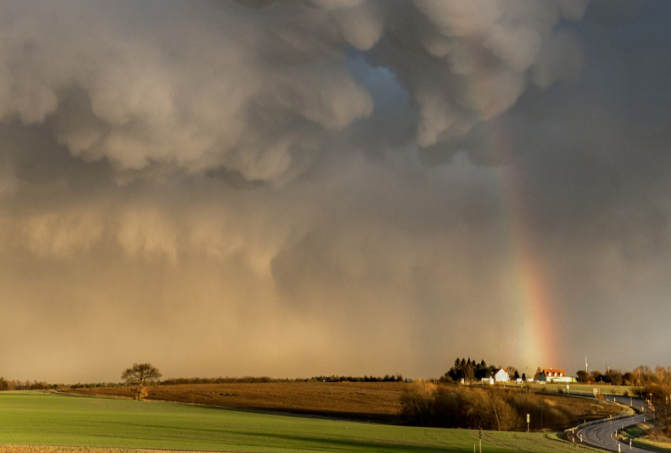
(553,375)
(501,376)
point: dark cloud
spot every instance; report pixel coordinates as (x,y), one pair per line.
(348,187)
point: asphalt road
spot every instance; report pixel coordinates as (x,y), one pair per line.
(602,434)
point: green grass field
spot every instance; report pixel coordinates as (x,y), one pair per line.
(48,419)
(584,388)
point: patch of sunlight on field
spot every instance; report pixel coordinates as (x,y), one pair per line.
(577,388)
(663,446)
(533,443)
(48,419)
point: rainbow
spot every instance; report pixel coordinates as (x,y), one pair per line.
(536,323)
(530,294)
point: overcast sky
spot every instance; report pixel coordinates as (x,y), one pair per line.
(300,188)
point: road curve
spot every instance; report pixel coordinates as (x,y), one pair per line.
(602,434)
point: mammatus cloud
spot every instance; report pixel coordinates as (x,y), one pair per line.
(173,87)
(293,188)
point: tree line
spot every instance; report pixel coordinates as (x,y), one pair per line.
(658,395)
(640,376)
(365,378)
(266,379)
(470,370)
(26,385)
(462,368)
(42,385)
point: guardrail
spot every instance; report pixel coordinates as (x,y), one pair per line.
(571,432)
(601,420)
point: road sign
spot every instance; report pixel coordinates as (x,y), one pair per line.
(528,421)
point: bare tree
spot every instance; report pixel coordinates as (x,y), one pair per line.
(139,376)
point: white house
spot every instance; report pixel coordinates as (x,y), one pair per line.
(501,376)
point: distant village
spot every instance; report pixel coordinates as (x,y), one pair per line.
(467,371)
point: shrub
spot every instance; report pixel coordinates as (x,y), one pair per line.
(427,404)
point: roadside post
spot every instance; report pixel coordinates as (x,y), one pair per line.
(480,439)
(528,421)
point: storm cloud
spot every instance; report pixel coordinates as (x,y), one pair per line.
(294,188)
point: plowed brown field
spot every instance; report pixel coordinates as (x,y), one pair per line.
(375,401)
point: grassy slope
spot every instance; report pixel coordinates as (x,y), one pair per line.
(653,445)
(41,419)
(643,437)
